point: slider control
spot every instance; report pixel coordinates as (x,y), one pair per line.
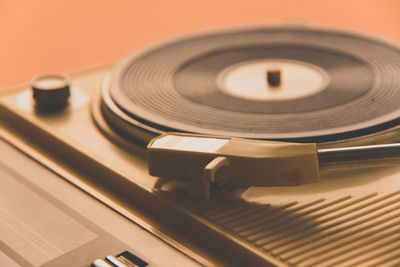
(124,259)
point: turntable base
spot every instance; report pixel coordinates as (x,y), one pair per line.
(348,218)
(96,145)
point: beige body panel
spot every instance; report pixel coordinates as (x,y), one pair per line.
(344,214)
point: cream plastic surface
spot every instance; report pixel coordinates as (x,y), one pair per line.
(348,218)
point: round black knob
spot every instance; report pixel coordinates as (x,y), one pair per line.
(51,91)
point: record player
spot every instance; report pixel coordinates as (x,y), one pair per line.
(304,85)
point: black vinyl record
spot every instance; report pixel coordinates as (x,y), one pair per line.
(184,85)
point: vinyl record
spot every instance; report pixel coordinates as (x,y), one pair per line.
(333,85)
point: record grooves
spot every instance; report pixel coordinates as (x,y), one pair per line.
(175,86)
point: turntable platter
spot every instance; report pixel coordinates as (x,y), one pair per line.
(333,85)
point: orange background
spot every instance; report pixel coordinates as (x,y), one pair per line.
(39,36)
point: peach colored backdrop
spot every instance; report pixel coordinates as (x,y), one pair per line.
(38,36)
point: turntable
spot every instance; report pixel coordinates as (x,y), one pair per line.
(284,84)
